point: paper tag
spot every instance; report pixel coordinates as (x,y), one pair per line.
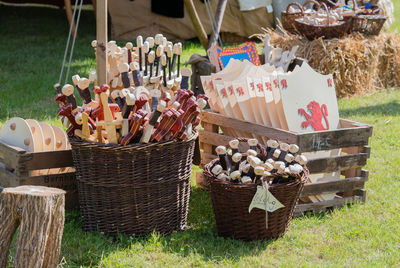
(260,200)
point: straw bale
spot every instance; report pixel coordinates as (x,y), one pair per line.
(359,65)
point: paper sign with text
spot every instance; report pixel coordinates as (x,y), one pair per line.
(260,201)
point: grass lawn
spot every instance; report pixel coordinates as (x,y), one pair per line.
(31,50)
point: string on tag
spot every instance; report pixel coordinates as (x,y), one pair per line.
(265,186)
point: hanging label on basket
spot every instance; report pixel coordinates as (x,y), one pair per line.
(260,201)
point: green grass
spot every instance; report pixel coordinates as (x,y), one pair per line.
(396,23)
(31,50)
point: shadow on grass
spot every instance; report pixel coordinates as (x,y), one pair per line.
(89,248)
(389,108)
(201,239)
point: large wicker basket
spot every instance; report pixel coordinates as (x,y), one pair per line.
(134,189)
(231,206)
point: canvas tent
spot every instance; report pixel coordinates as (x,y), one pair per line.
(132,18)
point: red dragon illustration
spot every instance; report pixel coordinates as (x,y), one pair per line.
(315,119)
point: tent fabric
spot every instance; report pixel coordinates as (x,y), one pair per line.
(132,18)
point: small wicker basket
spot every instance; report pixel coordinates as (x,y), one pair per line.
(134,189)
(368,24)
(231,206)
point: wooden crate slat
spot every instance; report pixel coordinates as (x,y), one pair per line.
(355,134)
(320,206)
(337,163)
(215,139)
(347,123)
(10,155)
(362,193)
(8,179)
(53,159)
(249,127)
(206,158)
(336,186)
(66,182)
(367,150)
(353,150)
(334,139)
(200,181)
(365,174)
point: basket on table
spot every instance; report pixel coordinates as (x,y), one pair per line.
(134,189)
(287,18)
(327,31)
(368,24)
(231,205)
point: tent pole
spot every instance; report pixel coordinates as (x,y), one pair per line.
(101,32)
(219,16)
(201,33)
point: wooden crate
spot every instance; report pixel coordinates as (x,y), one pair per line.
(23,163)
(352,137)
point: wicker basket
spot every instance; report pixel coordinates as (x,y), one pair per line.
(288,18)
(231,206)
(327,31)
(261,153)
(134,189)
(368,24)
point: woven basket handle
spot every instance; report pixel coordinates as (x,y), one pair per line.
(311,2)
(294,4)
(327,11)
(375,10)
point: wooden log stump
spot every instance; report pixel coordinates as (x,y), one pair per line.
(39,212)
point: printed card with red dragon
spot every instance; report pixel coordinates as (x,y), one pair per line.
(309,100)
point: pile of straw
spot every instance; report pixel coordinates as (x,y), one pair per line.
(359,65)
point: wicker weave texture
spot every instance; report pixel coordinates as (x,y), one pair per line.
(134,189)
(231,207)
(288,18)
(327,31)
(368,24)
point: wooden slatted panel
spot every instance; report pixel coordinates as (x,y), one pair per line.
(53,159)
(337,163)
(334,139)
(335,203)
(336,186)
(248,127)
(354,134)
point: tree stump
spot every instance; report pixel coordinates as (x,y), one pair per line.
(39,212)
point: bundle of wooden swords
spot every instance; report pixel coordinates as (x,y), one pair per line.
(159,62)
(122,114)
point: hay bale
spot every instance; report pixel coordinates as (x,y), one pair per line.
(359,65)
